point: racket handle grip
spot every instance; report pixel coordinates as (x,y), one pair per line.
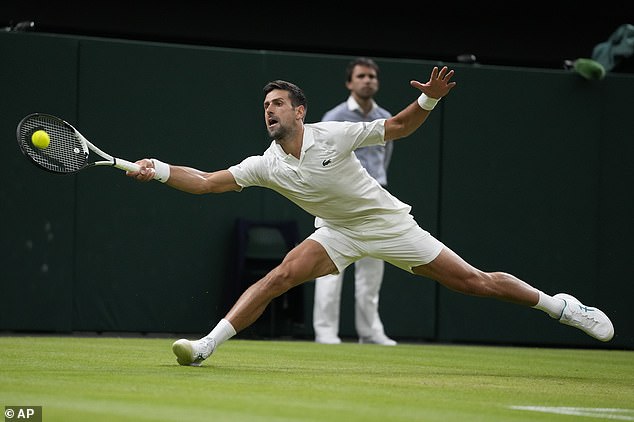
(126,165)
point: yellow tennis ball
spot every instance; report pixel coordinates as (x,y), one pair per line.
(40,139)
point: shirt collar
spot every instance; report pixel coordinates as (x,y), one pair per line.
(307,142)
(309,138)
(353,105)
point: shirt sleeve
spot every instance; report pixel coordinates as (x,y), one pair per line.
(389,148)
(248,172)
(348,136)
(368,133)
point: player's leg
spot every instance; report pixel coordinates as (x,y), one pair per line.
(368,276)
(326,308)
(306,261)
(456,274)
(453,272)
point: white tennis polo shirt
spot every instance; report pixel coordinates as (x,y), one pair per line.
(328,181)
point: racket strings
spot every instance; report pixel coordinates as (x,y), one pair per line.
(65,153)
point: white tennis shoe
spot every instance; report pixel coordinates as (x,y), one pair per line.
(382,340)
(192,353)
(327,340)
(590,320)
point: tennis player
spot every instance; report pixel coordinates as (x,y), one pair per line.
(313,165)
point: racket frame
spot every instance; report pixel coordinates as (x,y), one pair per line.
(110,160)
(86,145)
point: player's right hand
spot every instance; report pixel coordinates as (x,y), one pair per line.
(145,173)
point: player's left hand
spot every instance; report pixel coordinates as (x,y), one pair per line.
(439,83)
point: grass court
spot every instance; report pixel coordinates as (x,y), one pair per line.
(93,379)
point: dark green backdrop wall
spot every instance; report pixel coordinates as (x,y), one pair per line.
(519,170)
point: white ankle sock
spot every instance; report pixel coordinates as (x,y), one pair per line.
(552,306)
(222,332)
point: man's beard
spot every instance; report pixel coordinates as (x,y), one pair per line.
(279,133)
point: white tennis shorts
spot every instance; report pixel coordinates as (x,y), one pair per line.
(405,245)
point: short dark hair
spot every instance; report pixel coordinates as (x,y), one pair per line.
(295,93)
(361,61)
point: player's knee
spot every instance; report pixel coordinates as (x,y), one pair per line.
(479,284)
(279,280)
(489,284)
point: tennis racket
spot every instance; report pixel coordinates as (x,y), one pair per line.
(68,150)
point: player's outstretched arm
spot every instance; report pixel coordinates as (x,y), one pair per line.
(411,117)
(187,179)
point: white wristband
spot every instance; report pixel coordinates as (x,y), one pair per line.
(161,170)
(427,103)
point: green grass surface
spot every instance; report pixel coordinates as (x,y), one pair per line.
(93,379)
